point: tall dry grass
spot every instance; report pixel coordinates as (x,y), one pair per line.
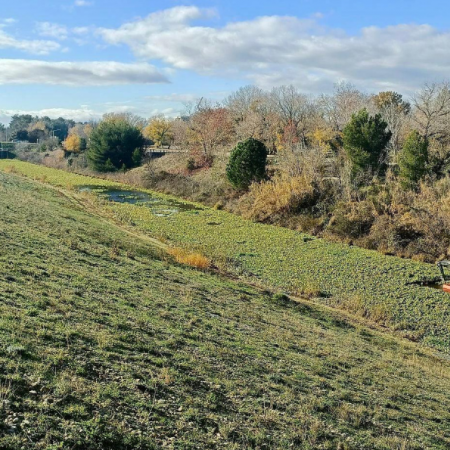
(187,258)
(281,196)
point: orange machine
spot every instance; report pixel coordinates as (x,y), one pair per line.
(445,279)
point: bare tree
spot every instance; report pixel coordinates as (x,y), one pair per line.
(394,111)
(432,110)
(292,106)
(244,101)
(294,110)
(339,107)
(130,118)
(180,133)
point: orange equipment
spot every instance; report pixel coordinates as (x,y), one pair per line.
(445,279)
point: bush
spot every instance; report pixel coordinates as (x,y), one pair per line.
(247,163)
(114,145)
(353,219)
(278,198)
(190,164)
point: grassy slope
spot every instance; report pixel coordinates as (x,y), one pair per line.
(106,345)
(363,281)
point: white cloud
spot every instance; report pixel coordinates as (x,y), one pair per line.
(92,73)
(281,49)
(167,112)
(173,98)
(82,114)
(82,35)
(86,113)
(82,3)
(81,30)
(52,30)
(37,47)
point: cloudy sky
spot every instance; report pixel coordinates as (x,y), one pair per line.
(81,58)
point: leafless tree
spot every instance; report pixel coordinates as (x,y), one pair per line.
(432,110)
(292,106)
(395,112)
(294,110)
(244,101)
(130,118)
(339,107)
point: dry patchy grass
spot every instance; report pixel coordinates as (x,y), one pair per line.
(101,352)
(187,258)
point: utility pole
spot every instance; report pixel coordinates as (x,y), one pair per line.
(53,132)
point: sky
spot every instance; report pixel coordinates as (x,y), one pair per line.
(82,58)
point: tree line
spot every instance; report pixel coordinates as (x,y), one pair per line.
(35,129)
(368,168)
(373,133)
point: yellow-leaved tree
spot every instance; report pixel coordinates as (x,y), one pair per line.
(160,131)
(72,143)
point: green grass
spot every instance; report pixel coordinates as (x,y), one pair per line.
(107,344)
(367,283)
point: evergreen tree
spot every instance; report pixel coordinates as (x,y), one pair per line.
(413,160)
(113,145)
(247,163)
(365,141)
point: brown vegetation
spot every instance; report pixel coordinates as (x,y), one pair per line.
(196,260)
(310,185)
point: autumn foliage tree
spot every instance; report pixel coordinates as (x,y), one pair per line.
(160,131)
(72,144)
(210,127)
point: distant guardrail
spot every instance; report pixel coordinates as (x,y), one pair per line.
(151,149)
(7,146)
(154,152)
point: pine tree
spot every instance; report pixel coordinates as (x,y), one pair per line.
(413,160)
(114,144)
(365,141)
(247,163)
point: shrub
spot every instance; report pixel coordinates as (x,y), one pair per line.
(115,144)
(352,219)
(190,164)
(280,197)
(247,163)
(196,260)
(365,141)
(413,160)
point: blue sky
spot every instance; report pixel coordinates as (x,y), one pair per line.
(82,58)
